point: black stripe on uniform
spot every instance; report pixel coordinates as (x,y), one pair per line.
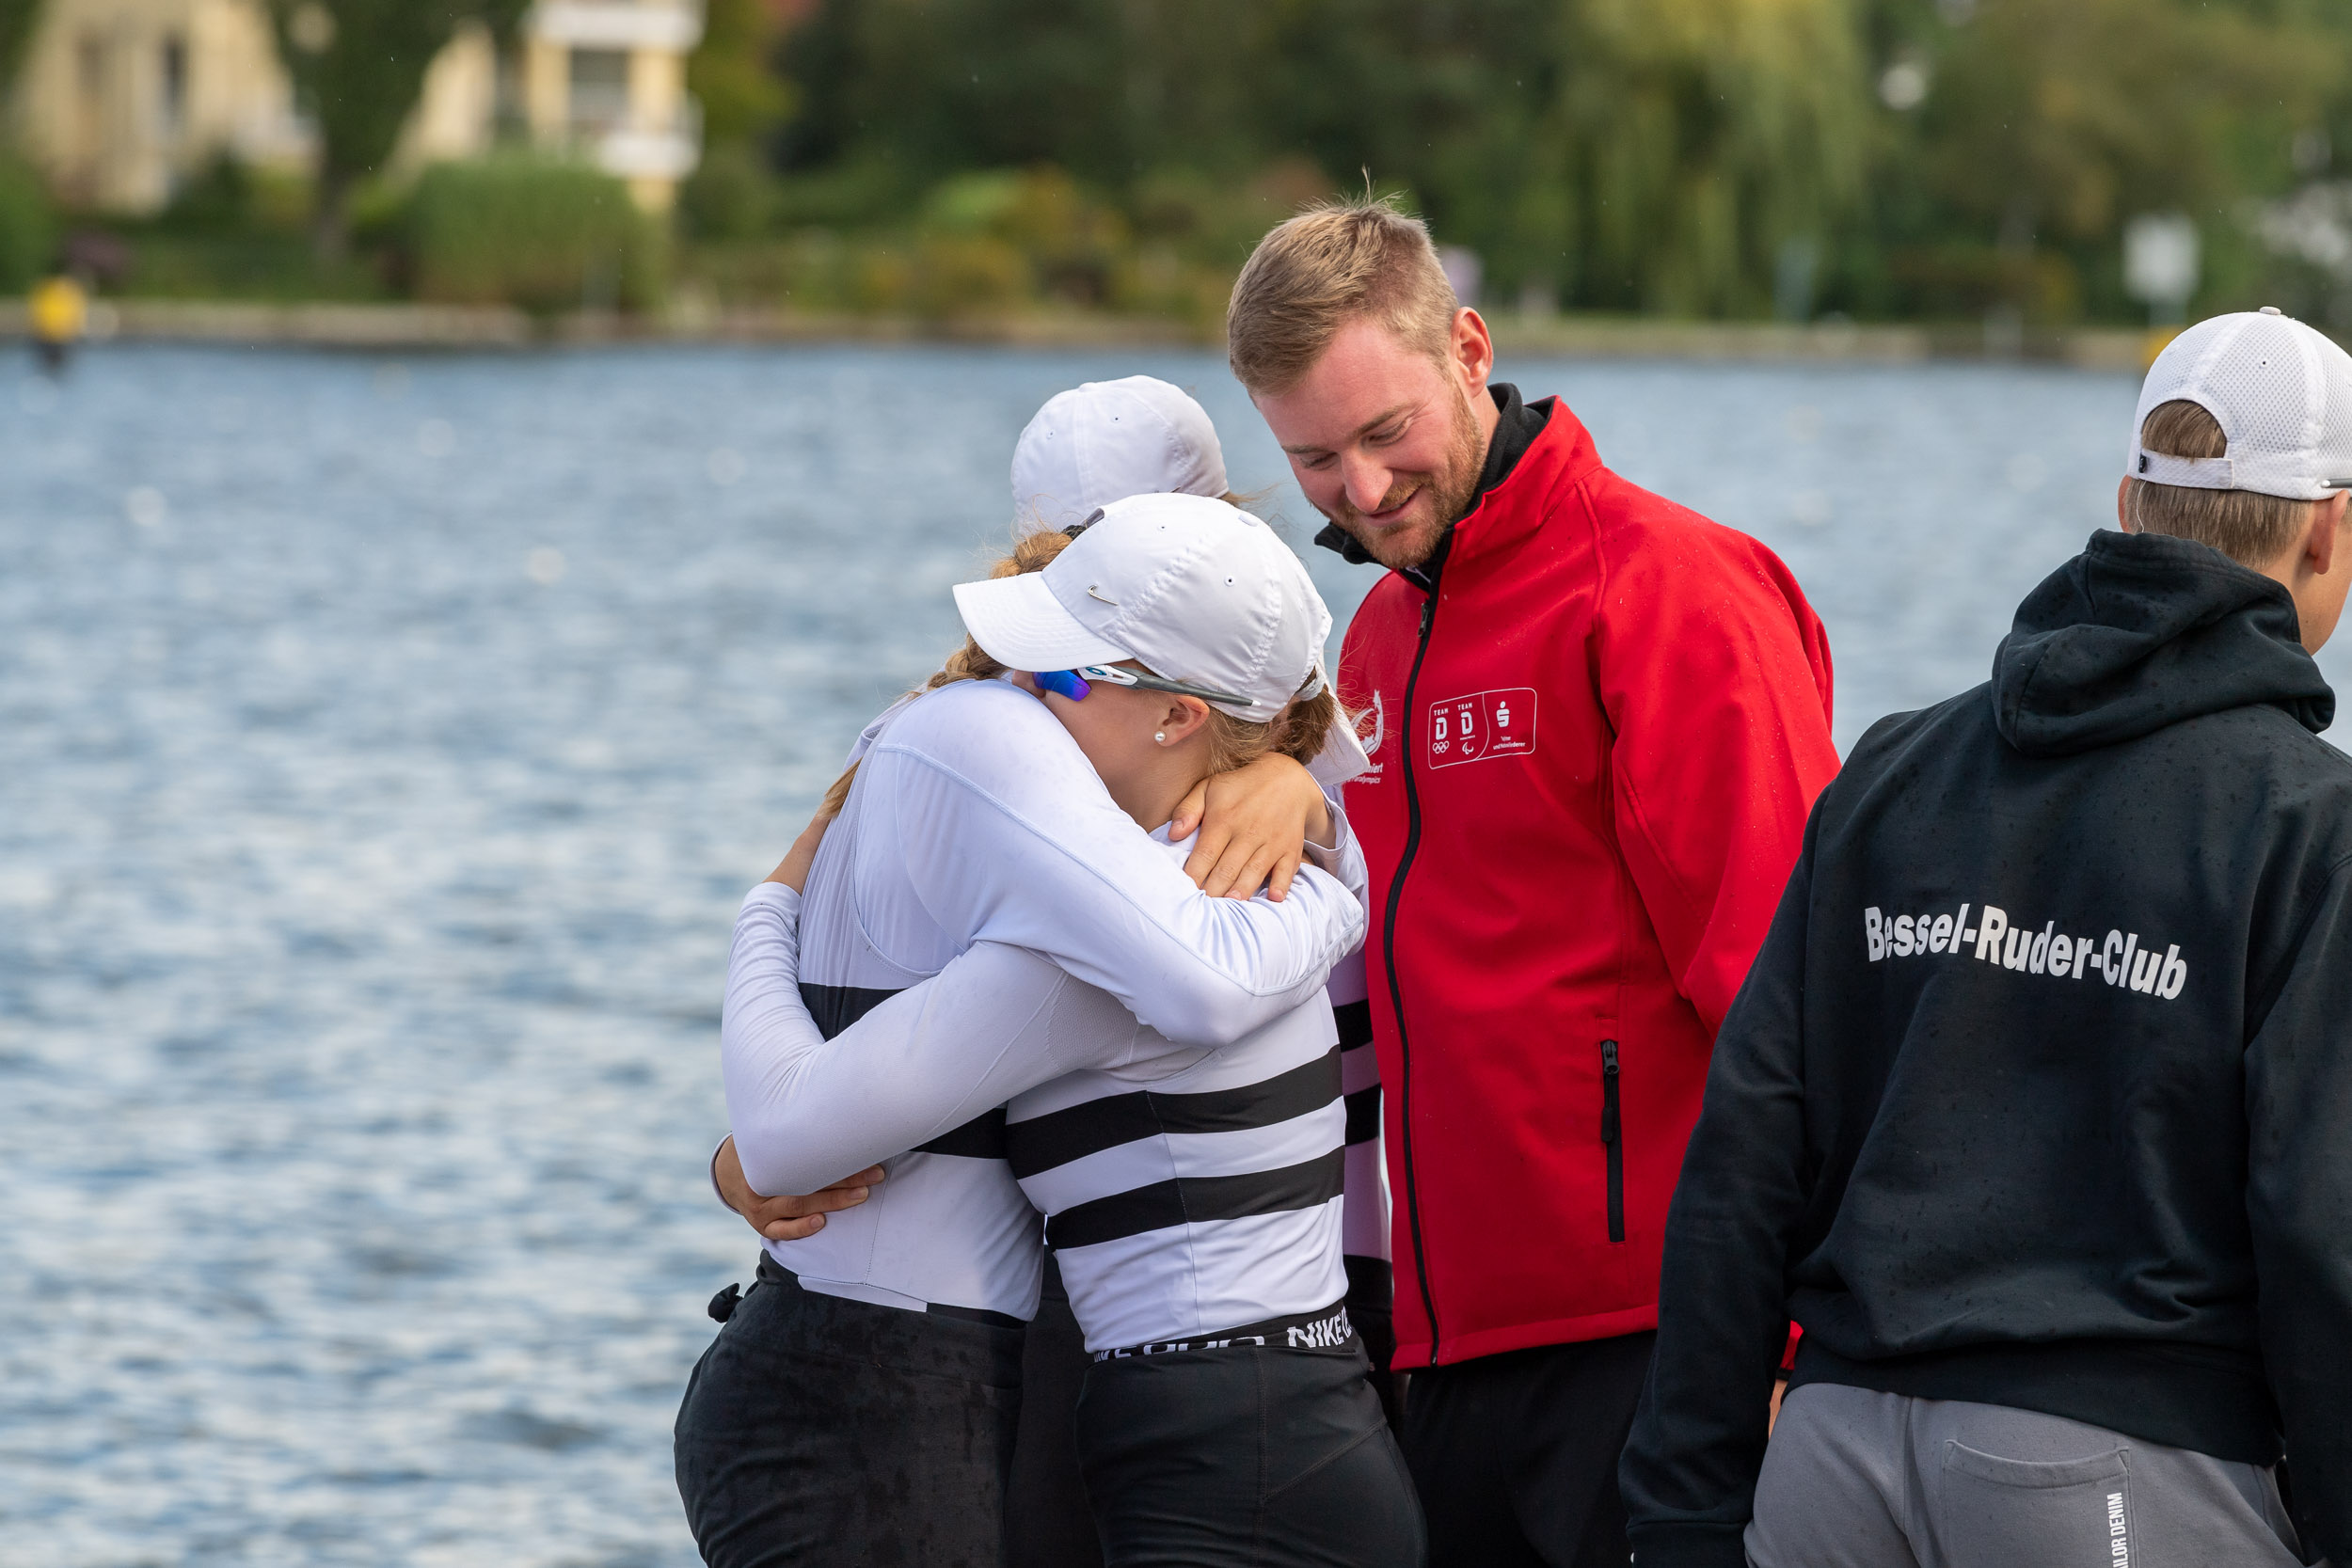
(982,1138)
(835,1008)
(1363,1115)
(1188,1199)
(1355,1021)
(1058,1137)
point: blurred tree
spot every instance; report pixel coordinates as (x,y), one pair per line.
(16,30)
(359,66)
(1689,156)
(2021,135)
(732,73)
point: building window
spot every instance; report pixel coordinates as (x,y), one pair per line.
(175,81)
(599,84)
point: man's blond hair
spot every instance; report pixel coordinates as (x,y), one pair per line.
(2249,529)
(1325,268)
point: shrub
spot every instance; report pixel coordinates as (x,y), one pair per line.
(544,235)
(730,195)
(28,225)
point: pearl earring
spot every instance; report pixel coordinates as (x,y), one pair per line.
(1160,735)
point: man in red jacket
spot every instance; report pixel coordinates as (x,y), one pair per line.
(1596,722)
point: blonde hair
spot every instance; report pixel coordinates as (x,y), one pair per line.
(1319,271)
(2249,529)
(1297,732)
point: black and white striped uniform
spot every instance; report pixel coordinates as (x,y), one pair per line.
(975,819)
(1187,1190)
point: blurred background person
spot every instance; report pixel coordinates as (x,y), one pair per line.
(59,314)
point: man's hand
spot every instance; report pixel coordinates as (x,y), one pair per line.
(787,1219)
(792,871)
(1253,823)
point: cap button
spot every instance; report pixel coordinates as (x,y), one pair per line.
(2271,311)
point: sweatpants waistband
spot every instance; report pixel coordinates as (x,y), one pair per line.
(1324,1328)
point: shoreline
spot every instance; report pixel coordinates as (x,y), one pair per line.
(389,326)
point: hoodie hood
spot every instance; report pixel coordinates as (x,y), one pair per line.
(2140,631)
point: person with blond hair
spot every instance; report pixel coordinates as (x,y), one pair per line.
(2033,1110)
(1596,721)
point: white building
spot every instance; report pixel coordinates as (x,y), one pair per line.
(123,100)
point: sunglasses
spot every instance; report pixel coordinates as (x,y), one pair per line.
(1075,684)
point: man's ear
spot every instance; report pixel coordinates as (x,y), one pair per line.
(1473,351)
(2326,534)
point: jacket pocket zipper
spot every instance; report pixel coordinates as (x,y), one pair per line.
(1611,1138)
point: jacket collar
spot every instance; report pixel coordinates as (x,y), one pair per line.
(1534,444)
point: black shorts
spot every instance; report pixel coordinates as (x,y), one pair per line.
(1245,1456)
(825,1432)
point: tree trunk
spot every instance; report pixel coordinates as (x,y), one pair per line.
(330,222)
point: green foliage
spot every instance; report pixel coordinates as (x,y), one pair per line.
(730,195)
(17,18)
(1688,156)
(29,227)
(743,100)
(359,66)
(545,235)
(2046,124)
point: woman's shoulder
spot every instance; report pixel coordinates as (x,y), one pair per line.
(965,713)
(990,734)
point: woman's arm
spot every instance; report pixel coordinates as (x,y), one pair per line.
(805,1110)
(1006,834)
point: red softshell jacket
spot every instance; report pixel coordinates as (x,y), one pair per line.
(1593,753)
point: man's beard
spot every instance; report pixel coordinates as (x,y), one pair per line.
(1452,490)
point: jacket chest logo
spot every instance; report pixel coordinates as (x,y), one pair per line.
(1482,727)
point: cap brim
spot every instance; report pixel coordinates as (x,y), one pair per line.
(1018,623)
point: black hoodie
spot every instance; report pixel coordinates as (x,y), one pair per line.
(2040,1092)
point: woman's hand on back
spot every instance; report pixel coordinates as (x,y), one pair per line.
(1254,823)
(790,1218)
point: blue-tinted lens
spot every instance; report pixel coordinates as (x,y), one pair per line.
(1062,683)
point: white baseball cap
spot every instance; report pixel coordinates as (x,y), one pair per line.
(1106,440)
(2281,393)
(1193,589)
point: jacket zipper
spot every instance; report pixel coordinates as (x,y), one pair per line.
(1611,1138)
(1396,993)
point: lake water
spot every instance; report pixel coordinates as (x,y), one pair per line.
(384,747)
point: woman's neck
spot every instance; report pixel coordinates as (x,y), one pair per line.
(1152,791)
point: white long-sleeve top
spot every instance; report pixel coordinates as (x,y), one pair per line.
(1187,1190)
(976,819)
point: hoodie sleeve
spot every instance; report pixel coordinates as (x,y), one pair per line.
(1715,676)
(1688,1469)
(2298,1200)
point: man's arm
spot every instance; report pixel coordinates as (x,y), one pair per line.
(1688,1469)
(1716,676)
(997,1022)
(2299,1203)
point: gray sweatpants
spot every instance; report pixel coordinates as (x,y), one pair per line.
(1854,1478)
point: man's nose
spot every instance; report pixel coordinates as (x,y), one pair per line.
(1367,480)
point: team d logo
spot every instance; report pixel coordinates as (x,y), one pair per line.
(1481,725)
